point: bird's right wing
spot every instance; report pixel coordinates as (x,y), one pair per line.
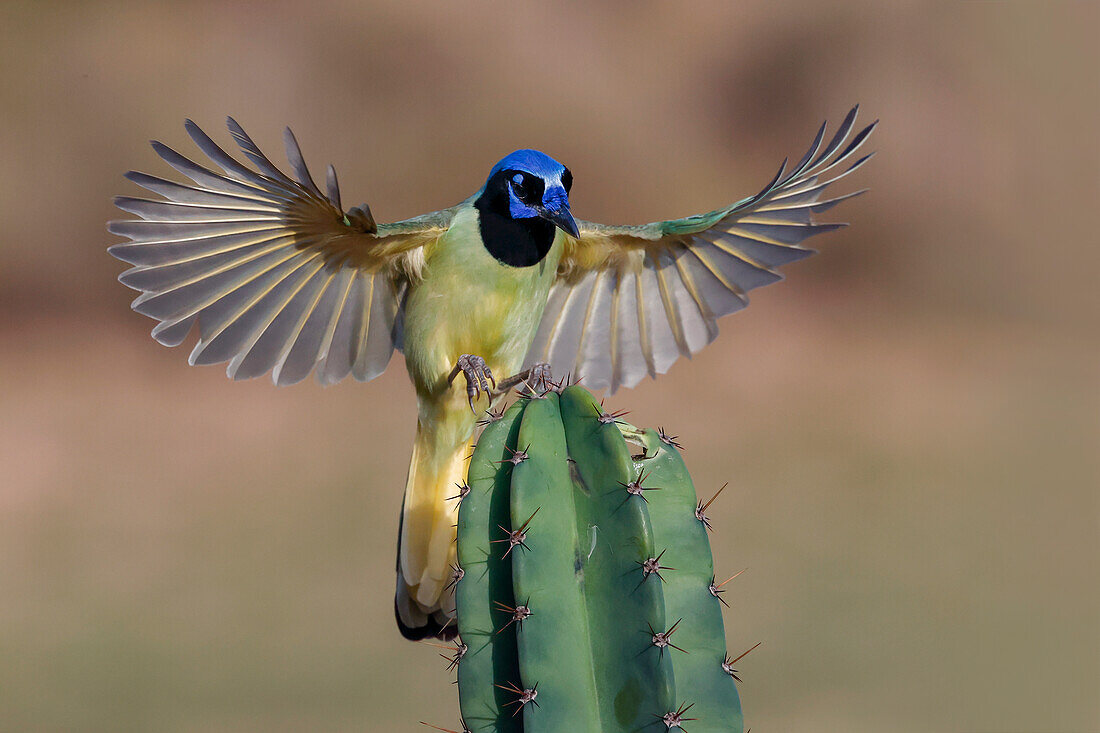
(274,273)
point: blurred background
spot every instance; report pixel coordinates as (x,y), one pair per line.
(910,423)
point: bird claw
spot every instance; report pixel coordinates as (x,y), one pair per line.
(531,382)
(478,376)
(538,379)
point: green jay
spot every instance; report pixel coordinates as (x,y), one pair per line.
(278,278)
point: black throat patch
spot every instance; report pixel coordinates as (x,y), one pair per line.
(513,242)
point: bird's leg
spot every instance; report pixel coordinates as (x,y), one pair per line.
(535,378)
(478,375)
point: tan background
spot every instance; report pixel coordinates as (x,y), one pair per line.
(909,424)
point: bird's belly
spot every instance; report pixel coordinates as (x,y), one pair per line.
(492,317)
(467,302)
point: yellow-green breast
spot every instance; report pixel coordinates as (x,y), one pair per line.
(467,302)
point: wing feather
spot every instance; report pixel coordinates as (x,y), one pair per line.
(347,333)
(801,166)
(570,329)
(181,299)
(231,166)
(661,322)
(253,153)
(594,363)
(233,321)
(691,295)
(209,179)
(182,193)
(377,350)
(838,139)
(274,273)
(632,362)
(644,335)
(769,254)
(139,230)
(614,328)
(172,211)
(332,187)
(251,328)
(270,349)
(174,333)
(664,269)
(712,286)
(557,303)
(344,291)
(561,333)
(186,270)
(153,255)
(658,289)
(298,163)
(304,345)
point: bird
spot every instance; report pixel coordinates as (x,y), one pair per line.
(277,277)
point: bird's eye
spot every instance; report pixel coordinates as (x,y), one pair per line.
(519,185)
(567,180)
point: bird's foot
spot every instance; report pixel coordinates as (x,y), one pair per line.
(531,382)
(478,376)
(539,379)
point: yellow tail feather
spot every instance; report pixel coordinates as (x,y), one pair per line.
(426,549)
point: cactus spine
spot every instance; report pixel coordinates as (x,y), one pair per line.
(585,588)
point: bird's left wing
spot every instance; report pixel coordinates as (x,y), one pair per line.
(274,273)
(629,300)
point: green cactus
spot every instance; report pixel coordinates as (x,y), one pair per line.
(585,588)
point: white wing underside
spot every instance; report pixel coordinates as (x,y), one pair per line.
(615,325)
(241,256)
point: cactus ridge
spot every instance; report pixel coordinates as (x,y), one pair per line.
(585,587)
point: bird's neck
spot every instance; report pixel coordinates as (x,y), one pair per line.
(513,242)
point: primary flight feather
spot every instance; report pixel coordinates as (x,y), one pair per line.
(278,278)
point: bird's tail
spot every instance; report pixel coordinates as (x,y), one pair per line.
(426,551)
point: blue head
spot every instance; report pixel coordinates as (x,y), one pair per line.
(536,185)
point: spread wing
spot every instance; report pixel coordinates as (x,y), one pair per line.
(629,300)
(274,273)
